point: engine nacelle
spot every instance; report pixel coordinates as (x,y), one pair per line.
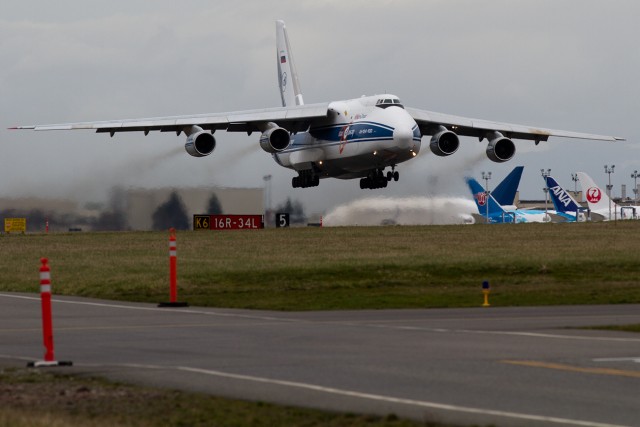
(275,139)
(500,149)
(200,144)
(444,143)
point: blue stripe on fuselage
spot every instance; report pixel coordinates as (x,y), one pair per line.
(358,131)
(417,136)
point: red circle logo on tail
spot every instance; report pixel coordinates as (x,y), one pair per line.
(594,195)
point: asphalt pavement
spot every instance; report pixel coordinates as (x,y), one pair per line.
(519,366)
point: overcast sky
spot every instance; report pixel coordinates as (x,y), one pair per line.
(571,65)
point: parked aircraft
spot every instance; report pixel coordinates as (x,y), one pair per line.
(564,203)
(505,192)
(600,203)
(489,210)
(355,138)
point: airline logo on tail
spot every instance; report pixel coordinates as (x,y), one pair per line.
(562,195)
(481,198)
(594,195)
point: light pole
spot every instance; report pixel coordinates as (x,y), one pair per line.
(545,174)
(609,170)
(635,175)
(575,179)
(486,176)
(267,197)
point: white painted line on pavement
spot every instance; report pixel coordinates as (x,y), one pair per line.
(419,403)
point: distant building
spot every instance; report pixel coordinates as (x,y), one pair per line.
(62,206)
(140,204)
(137,205)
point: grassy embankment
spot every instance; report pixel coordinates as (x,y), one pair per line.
(341,268)
(32,398)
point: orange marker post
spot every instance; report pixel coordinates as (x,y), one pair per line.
(173,273)
(47,318)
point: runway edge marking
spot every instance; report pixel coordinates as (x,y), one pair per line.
(425,404)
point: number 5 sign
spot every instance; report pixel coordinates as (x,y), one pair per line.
(282,220)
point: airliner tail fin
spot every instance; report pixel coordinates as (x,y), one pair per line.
(596,198)
(505,192)
(486,204)
(562,200)
(287,75)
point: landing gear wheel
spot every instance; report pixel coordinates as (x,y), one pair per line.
(396,176)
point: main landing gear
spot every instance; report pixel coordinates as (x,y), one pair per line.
(377,179)
(305,179)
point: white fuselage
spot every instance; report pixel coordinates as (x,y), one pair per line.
(357,136)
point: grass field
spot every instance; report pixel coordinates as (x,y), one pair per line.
(32,398)
(341,268)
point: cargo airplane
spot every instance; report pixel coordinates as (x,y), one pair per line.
(364,138)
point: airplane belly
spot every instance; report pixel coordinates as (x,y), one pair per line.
(302,159)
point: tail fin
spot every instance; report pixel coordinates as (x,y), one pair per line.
(287,76)
(505,192)
(482,200)
(596,198)
(562,201)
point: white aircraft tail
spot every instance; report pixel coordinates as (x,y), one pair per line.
(596,198)
(287,76)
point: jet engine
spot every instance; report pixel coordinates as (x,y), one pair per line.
(200,143)
(275,139)
(500,148)
(444,143)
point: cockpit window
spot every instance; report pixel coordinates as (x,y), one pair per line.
(388,102)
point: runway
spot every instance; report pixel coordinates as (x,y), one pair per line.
(521,366)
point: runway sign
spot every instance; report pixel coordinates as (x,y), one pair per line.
(282,220)
(227,222)
(15,225)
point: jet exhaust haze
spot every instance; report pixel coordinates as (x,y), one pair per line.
(402,211)
(435,208)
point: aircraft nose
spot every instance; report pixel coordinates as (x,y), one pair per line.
(403,135)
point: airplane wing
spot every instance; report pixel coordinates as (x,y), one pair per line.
(294,119)
(429,123)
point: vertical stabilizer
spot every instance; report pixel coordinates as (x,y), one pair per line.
(486,203)
(596,198)
(287,75)
(505,192)
(562,200)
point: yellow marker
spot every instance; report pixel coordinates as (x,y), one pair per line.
(485,290)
